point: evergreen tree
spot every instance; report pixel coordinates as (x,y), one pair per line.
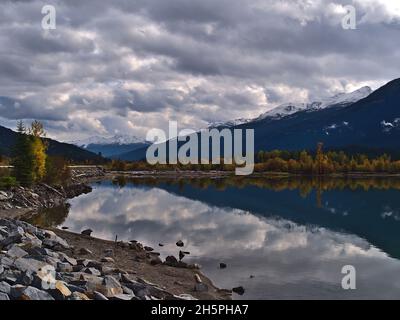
(23,159)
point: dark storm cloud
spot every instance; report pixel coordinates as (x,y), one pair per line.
(143,61)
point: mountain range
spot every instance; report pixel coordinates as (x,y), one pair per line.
(114,147)
(361,121)
(286,109)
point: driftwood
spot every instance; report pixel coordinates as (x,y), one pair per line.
(52,189)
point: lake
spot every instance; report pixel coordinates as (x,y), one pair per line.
(281,238)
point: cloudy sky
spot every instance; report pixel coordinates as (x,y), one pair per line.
(125,66)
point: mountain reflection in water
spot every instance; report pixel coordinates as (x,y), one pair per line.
(293,235)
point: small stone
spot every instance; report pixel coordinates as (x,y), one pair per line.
(84,251)
(14,237)
(4,296)
(16,252)
(79,296)
(201,287)
(87,232)
(155,260)
(83,262)
(99,296)
(252,276)
(92,271)
(161,245)
(65,258)
(25,278)
(64,228)
(31,293)
(126,290)
(64,267)
(123,297)
(171,261)
(95,264)
(149,249)
(61,291)
(222,265)
(111,287)
(109,252)
(197,278)
(239,290)
(185,296)
(5,287)
(180,243)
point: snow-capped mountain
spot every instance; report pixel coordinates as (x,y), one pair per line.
(341,99)
(231,123)
(111,147)
(118,139)
(283,110)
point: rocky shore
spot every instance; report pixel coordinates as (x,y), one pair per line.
(38,264)
(40,196)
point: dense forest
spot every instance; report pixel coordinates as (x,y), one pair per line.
(305,162)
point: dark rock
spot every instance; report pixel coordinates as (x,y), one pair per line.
(161,245)
(148,248)
(171,261)
(74,288)
(25,278)
(180,243)
(87,232)
(16,291)
(64,228)
(83,262)
(222,265)
(9,277)
(57,244)
(155,260)
(95,264)
(239,290)
(92,271)
(14,237)
(181,255)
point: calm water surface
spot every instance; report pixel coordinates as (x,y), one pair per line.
(293,236)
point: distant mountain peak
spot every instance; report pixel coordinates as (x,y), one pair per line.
(283,110)
(340,99)
(118,139)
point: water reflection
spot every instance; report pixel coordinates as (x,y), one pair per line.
(294,246)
